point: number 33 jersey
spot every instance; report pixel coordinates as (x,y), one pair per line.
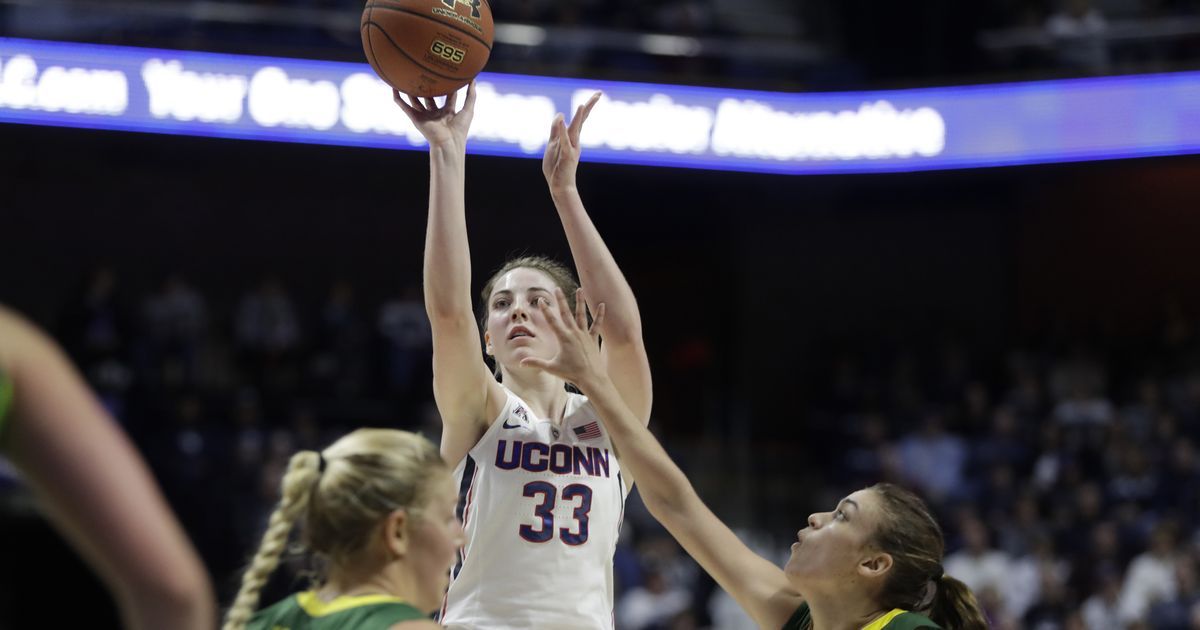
(541,506)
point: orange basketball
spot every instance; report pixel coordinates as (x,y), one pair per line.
(427,47)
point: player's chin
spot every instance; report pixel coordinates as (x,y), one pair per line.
(516,355)
(795,561)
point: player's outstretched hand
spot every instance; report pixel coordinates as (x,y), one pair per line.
(578,360)
(441,126)
(562,151)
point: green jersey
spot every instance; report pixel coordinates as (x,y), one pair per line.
(6,396)
(305,611)
(895,620)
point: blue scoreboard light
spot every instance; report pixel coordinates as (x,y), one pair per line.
(293,100)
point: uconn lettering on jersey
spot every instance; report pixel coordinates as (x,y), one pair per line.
(559,459)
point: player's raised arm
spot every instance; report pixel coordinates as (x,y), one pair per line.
(599,274)
(461,381)
(761,588)
(95,487)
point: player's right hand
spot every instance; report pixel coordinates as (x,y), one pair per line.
(441,126)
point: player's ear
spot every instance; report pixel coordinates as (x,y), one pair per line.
(875,565)
(395,533)
(487,343)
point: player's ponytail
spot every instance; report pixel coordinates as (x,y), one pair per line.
(910,533)
(302,475)
(954,606)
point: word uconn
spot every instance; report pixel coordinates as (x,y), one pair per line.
(559,459)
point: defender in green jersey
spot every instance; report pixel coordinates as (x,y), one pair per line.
(306,611)
(379,507)
(865,564)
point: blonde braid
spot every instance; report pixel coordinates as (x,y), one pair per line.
(302,475)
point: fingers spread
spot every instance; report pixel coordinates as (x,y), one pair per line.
(580,309)
(399,100)
(535,362)
(581,115)
(469,103)
(564,307)
(597,319)
(561,129)
(555,319)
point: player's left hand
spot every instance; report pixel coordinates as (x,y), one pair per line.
(578,360)
(562,151)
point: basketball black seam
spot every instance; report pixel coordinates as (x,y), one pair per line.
(407,56)
(371,43)
(473,36)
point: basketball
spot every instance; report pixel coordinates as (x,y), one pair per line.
(427,47)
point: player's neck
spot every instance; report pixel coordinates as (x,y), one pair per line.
(841,611)
(545,394)
(348,582)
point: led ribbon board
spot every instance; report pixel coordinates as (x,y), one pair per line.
(294,100)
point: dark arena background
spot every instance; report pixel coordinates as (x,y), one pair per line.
(1019,340)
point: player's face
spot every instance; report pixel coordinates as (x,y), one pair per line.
(829,550)
(437,535)
(516,327)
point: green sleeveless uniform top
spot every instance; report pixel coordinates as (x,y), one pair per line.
(305,611)
(6,396)
(895,620)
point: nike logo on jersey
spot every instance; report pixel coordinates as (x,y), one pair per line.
(559,459)
(512,426)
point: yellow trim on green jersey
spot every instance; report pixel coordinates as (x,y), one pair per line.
(312,604)
(897,619)
(882,622)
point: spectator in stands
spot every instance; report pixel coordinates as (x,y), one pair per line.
(933,459)
(1151,577)
(1080,32)
(984,569)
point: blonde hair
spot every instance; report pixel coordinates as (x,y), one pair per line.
(367,474)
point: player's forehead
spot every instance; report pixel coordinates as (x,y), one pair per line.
(865,504)
(523,279)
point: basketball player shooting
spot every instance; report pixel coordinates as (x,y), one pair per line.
(541,488)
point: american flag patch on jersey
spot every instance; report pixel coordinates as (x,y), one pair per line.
(589,431)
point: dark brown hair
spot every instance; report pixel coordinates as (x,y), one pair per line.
(558,272)
(910,534)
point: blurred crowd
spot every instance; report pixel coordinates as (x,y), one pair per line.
(1100,36)
(1064,471)
(815,44)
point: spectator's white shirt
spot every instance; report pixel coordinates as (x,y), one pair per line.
(640,608)
(1150,579)
(1023,588)
(1099,612)
(988,570)
(727,614)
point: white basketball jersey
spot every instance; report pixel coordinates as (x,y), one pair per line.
(541,506)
